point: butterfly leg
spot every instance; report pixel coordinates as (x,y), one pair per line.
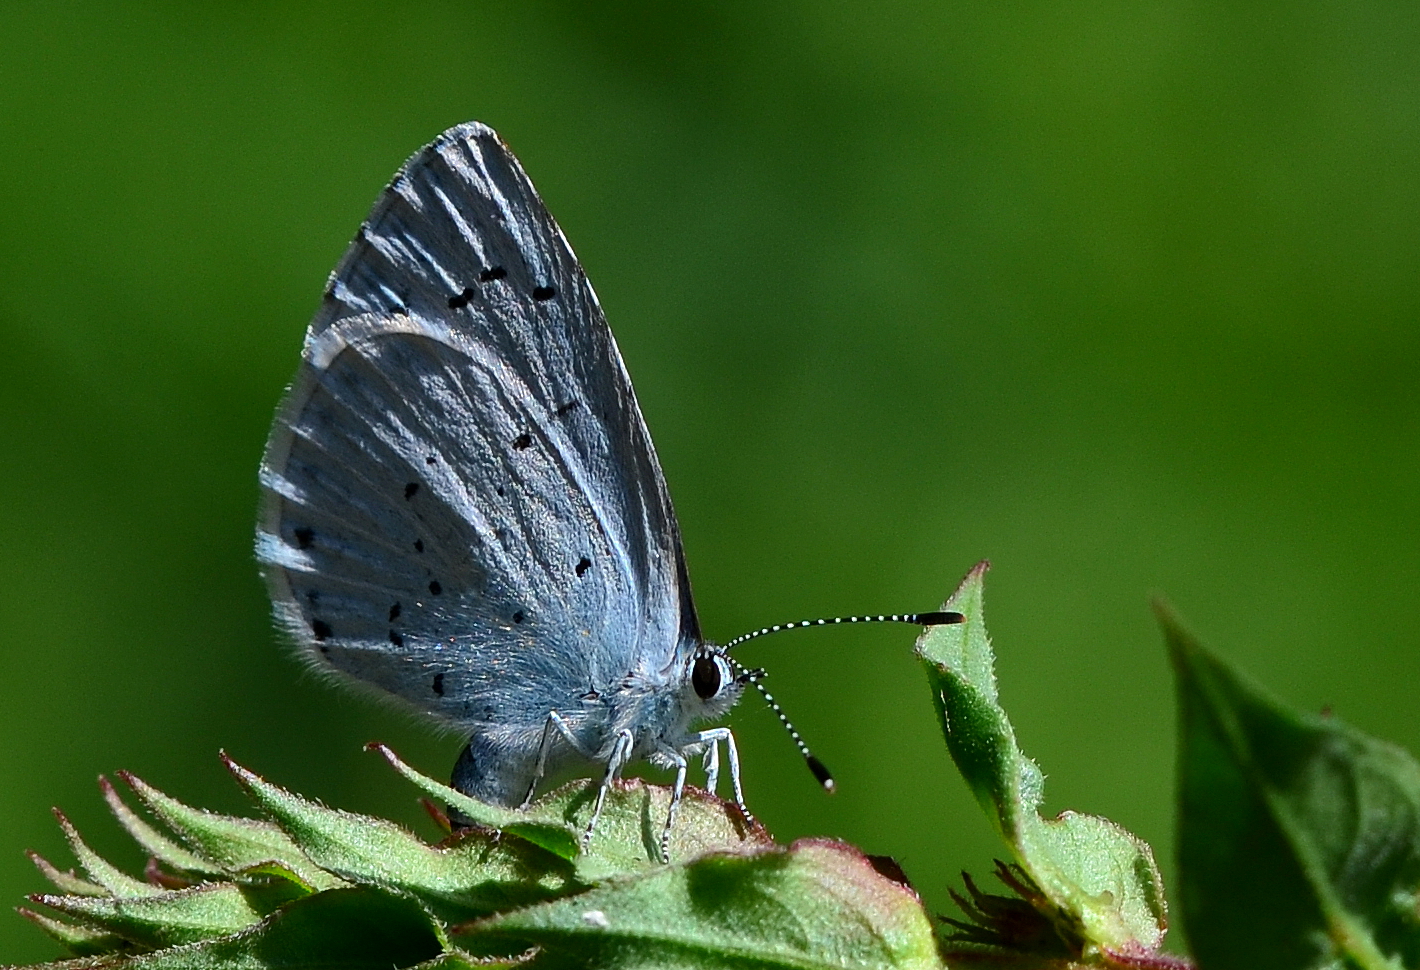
(554,726)
(714,736)
(677,759)
(712,767)
(620,754)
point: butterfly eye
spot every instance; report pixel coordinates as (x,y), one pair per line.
(705,677)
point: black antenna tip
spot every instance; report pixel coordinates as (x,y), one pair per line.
(940,618)
(821,773)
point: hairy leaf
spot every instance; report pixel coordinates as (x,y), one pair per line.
(817,904)
(1103,886)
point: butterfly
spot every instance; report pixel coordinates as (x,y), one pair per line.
(463,509)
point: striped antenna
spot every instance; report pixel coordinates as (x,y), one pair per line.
(747,676)
(919,619)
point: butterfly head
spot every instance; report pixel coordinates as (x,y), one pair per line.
(713,682)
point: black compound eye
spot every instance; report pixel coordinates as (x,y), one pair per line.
(705,677)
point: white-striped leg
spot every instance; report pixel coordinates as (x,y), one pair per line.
(620,754)
(554,723)
(714,735)
(678,760)
(712,767)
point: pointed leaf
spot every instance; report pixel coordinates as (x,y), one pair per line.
(79,940)
(552,834)
(628,833)
(1102,881)
(157,844)
(231,842)
(100,870)
(170,919)
(817,904)
(341,929)
(473,875)
(1299,836)
(65,879)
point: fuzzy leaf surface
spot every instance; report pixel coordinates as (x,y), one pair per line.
(1102,881)
(1299,836)
(816,904)
(154,842)
(473,874)
(628,833)
(169,919)
(233,844)
(358,928)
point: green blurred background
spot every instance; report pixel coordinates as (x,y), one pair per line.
(1121,295)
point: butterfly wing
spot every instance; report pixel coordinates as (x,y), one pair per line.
(462,506)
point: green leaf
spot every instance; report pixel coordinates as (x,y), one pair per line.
(65,879)
(475,874)
(340,929)
(158,845)
(817,904)
(170,919)
(1299,836)
(628,833)
(79,940)
(552,834)
(233,843)
(1104,887)
(99,869)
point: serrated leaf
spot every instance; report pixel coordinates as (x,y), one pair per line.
(169,919)
(816,904)
(157,844)
(233,843)
(1102,881)
(1299,836)
(628,833)
(549,833)
(359,928)
(101,870)
(65,879)
(79,940)
(471,876)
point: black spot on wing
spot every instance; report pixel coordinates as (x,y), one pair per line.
(439,684)
(460,300)
(394,612)
(522,441)
(432,460)
(518,617)
(492,274)
(304,537)
(583,565)
(542,293)
(563,410)
(321,629)
(410,489)
(396,639)
(418,545)
(435,587)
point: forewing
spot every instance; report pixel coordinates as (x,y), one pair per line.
(462,506)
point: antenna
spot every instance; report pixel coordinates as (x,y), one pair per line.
(825,778)
(747,676)
(936,618)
